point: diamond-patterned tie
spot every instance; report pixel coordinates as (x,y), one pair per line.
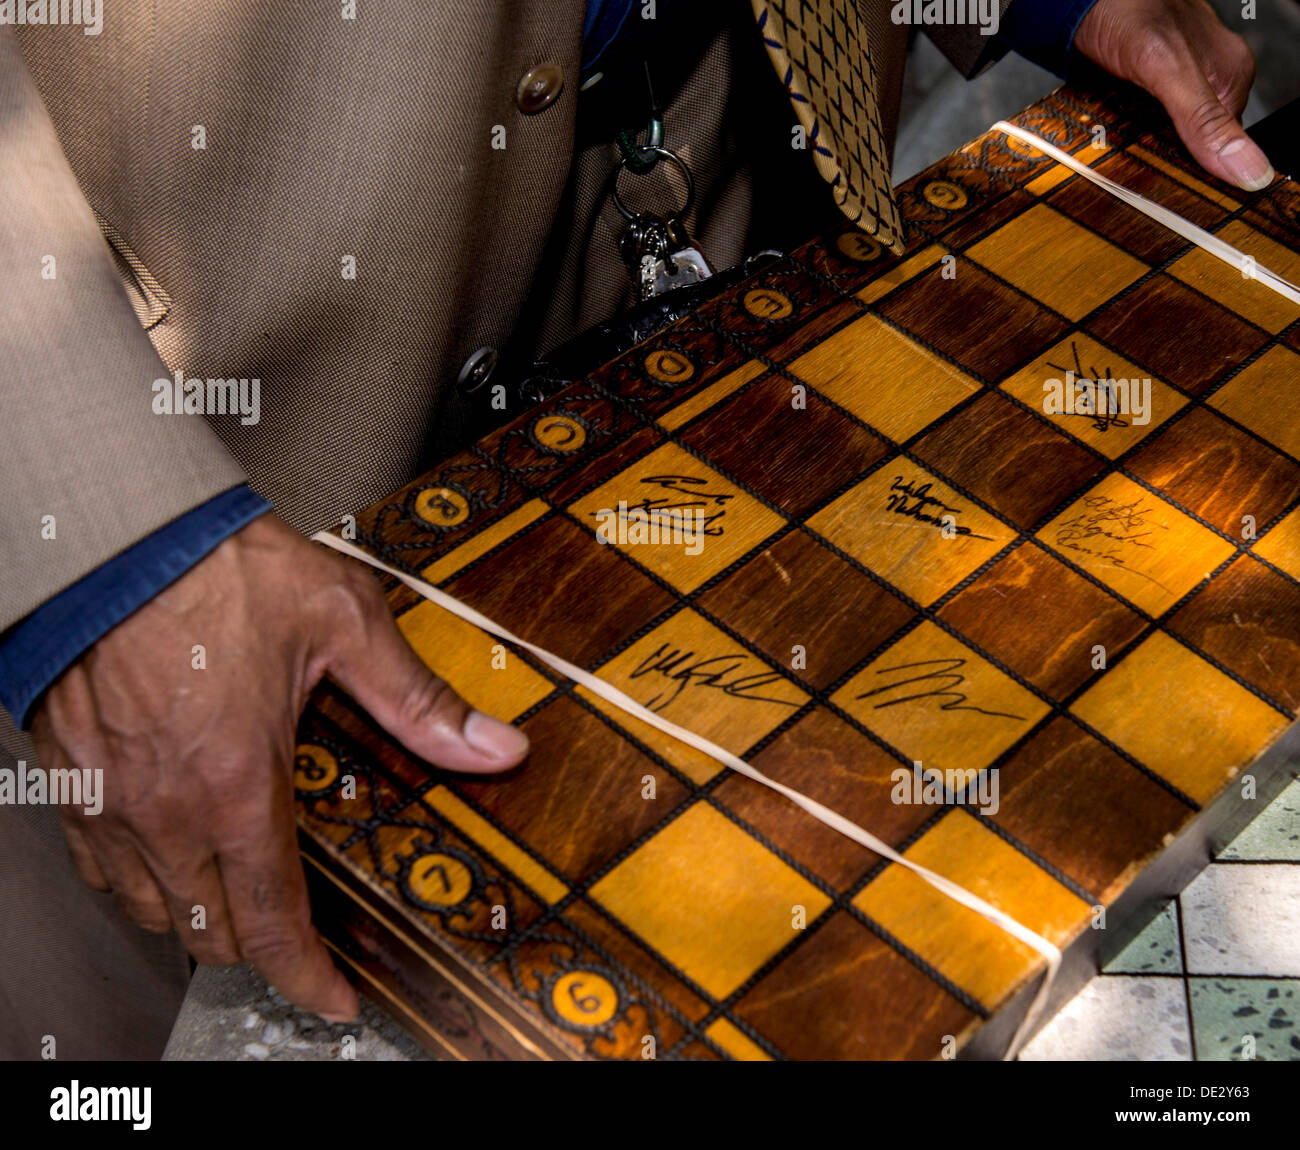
(820,51)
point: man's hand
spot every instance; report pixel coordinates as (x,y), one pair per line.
(1200,71)
(198,764)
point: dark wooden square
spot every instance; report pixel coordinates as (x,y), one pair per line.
(1032,469)
(1249,620)
(1218,472)
(591,773)
(985,325)
(545,584)
(803,576)
(1063,782)
(1060,617)
(832,762)
(779,450)
(1177,334)
(812,1003)
(1132,231)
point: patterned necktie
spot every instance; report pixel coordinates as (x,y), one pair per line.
(820,51)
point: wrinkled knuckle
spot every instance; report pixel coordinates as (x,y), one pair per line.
(228,779)
(271,946)
(1213,123)
(154,924)
(172,878)
(1243,60)
(1157,51)
(424,700)
(137,811)
(354,600)
(95,881)
(363,586)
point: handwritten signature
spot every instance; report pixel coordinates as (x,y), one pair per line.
(1104,415)
(717,672)
(689,486)
(941,680)
(916,502)
(1108,528)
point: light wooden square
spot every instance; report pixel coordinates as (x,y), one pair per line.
(1263,397)
(1227,285)
(696,676)
(980,957)
(1281,546)
(1057,262)
(1179,716)
(940,702)
(710,899)
(1135,543)
(486,674)
(885,379)
(894,523)
(1085,355)
(671,479)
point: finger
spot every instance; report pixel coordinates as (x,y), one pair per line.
(196,901)
(1231,73)
(1172,73)
(375,664)
(83,857)
(1226,60)
(267,896)
(131,880)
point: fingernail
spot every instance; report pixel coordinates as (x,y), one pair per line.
(332,1016)
(494,738)
(1246,164)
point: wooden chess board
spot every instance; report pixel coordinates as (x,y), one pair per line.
(904,555)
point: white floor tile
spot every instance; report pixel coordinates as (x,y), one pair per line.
(1243,918)
(1118,1018)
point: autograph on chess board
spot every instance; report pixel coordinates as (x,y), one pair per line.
(729,674)
(938,682)
(1115,533)
(915,502)
(687,515)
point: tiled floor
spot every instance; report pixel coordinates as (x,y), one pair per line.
(1217,971)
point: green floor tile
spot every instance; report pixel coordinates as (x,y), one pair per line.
(1225,1010)
(1275,834)
(1154,951)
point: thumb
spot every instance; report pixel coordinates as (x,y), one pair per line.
(371,660)
(1211,133)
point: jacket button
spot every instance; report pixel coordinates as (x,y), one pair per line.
(474,374)
(538,88)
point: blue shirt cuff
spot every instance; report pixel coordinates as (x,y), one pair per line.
(1043,30)
(38,649)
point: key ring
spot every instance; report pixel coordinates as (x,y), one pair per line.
(664,154)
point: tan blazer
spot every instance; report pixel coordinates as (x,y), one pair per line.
(324,138)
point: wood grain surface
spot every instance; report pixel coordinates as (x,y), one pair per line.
(904,554)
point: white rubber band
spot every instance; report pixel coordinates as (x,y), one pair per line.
(830,818)
(1249,267)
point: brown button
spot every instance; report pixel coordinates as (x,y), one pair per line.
(538,88)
